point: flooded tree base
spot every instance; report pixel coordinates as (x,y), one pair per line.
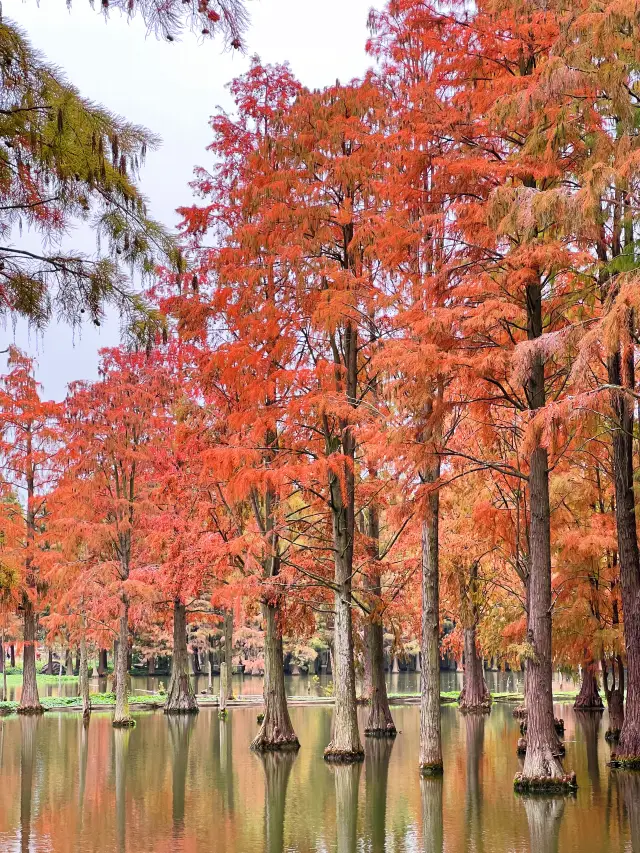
(222,715)
(343,756)
(520,713)
(262,744)
(612,735)
(434,768)
(123,724)
(545,784)
(483,707)
(624,763)
(31,710)
(182,709)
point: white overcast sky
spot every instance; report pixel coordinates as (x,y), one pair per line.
(172,89)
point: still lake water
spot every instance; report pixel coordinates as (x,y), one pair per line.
(188,785)
(295,685)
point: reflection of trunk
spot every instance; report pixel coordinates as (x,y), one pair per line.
(589,698)
(180,729)
(380,722)
(276,731)
(542,742)
(347,782)
(432,829)
(377,755)
(474,724)
(82,780)
(228,652)
(430,739)
(30,701)
(475,694)
(84,675)
(28,731)
(544,816)
(180,696)
(614,694)
(590,725)
(121,717)
(121,748)
(620,368)
(277,769)
(628,785)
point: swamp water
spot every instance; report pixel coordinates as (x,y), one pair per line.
(183,785)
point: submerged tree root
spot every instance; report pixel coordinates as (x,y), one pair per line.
(612,735)
(343,756)
(558,724)
(123,724)
(389,731)
(434,768)
(520,713)
(545,784)
(31,710)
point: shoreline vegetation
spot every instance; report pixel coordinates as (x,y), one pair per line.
(156,701)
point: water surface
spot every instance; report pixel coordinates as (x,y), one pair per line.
(187,785)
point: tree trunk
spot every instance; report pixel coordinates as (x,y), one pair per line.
(367,678)
(475,696)
(228,653)
(589,698)
(541,761)
(68,662)
(121,717)
(276,731)
(102,663)
(180,696)
(345,738)
(614,694)
(541,765)
(151,665)
(76,668)
(430,738)
(380,722)
(12,652)
(29,701)
(84,677)
(50,661)
(222,704)
(2,667)
(628,554)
